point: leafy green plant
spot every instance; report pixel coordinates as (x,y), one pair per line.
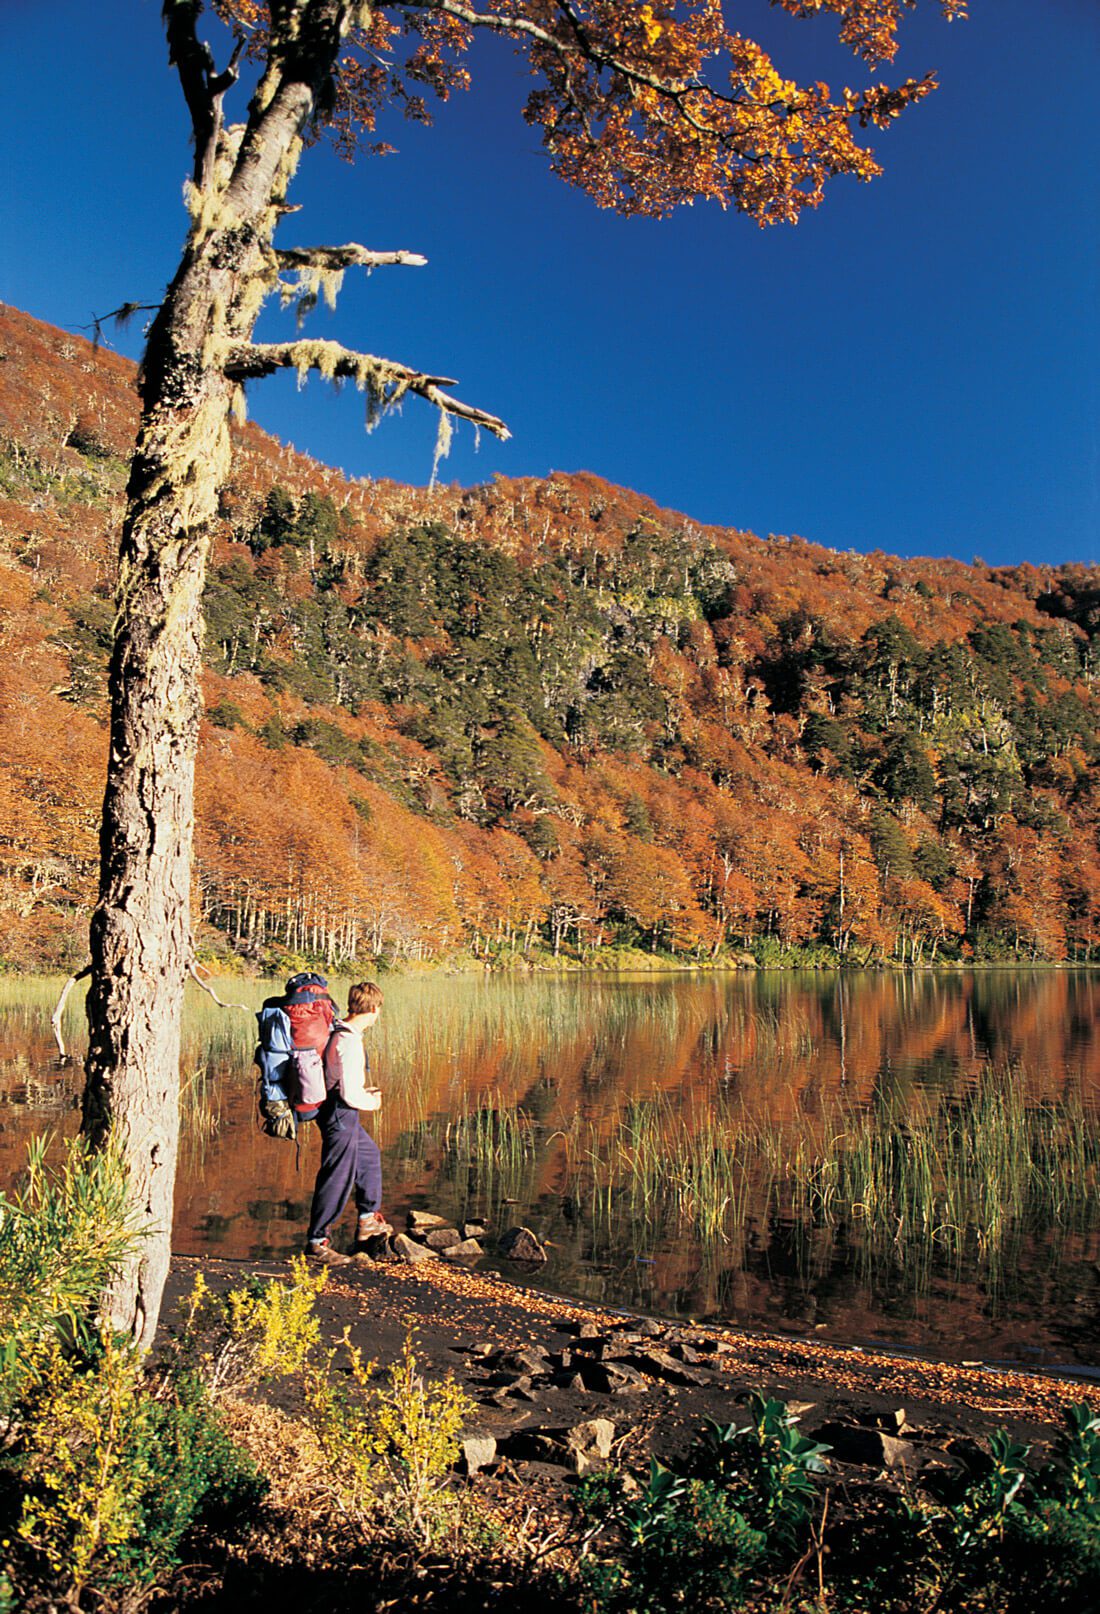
(767,1468)
(62,1234)
(1072,1479)
(683,1543)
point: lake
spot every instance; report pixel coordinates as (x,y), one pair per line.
(911,1160)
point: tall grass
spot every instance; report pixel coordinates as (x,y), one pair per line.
(959,1177)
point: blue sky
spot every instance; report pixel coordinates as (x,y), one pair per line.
(912,368)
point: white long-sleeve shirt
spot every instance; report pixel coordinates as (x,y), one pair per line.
(346,1067)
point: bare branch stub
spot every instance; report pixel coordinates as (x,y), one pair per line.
(350,256)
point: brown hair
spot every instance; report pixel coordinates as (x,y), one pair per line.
(364,997)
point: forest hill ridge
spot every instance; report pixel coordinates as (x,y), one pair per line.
(544,718)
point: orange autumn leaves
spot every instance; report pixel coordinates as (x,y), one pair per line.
(642,107)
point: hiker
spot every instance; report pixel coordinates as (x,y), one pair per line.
(350,1158)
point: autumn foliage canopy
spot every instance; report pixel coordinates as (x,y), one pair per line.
(641,106)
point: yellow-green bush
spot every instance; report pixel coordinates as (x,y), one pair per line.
(391,1442)
(109,1478)
(261,1330)
(102,1470)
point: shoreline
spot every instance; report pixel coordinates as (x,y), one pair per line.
(462,1317)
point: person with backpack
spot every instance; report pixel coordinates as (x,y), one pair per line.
(350,1158)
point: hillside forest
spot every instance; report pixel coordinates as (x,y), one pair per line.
(544,719)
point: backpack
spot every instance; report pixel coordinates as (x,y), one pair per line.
(293,1030)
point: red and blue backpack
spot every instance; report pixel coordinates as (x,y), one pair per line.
(294,1030)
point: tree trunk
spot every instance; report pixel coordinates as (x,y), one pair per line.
(141,927)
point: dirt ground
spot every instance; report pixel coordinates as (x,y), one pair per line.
(537,1366)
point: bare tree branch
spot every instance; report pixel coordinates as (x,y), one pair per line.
(351,256)
(55,1018)
(203,87)
(121,317)
(209,990)
(385,382)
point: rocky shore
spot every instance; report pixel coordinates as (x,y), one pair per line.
(562,1387)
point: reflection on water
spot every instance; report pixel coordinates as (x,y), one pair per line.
(902,1158)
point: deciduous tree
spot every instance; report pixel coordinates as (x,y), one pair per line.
(641,106)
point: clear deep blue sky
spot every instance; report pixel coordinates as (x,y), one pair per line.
(913,368)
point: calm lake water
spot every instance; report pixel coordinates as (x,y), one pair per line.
(910,1160)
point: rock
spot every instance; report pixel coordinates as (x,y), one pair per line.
(593,1436)
(409,1250)
(441,1238)
(657,1364)
(870,1448)
(799,1409)
(473,1230)
(532,1359)
(377,1246)
(612,1378)
(464,1250)
(420,1221)
(567,1380)
(685,1353)
(582,1448)
(478,1451)
(509,1379)
(588,1331)
(898,1453)
(520,1244)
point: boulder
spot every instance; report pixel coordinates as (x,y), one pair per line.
(657,1364)
(464,1250)
(531,1359)
(420,1221)
(612,1378)
(520,1244)
(474,1229)
(478,1451)
(871,1448)
(441,1238)
(594,1436)
(409,1250)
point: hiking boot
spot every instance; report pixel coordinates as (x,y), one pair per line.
(321,1250)
(371,1226)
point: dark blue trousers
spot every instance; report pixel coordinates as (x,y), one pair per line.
(350,1159)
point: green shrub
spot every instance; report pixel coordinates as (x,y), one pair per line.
(61,1236)
(766,1469)
(684,1544)
(111,1478)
